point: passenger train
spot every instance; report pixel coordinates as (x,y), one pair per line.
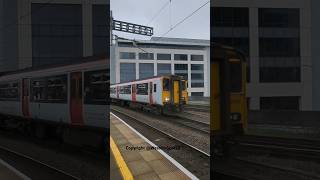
(60,99)
(162,93)
(229,111)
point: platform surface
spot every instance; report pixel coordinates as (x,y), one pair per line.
(143,164)
(7,172)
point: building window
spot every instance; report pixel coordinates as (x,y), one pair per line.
(197,75)
(279,17)
(197,94)
(164,69)
(127,72)
(101,32)
(280,74)
(56,33)
(181,57)
(280,103)
(181,70)
(196,57)
(279,47)
(146,70)
(146,56)
(127,55)
(230,17)
(163,56)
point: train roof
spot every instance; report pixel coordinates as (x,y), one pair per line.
(88,64)
(154,77)
(81,61)
(225,47)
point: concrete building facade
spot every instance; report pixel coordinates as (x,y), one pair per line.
(42,32)
(189,58)
(281,41)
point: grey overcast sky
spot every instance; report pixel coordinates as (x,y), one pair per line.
(142,11)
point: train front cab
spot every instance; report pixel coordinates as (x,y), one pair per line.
(174,93)
(228,94)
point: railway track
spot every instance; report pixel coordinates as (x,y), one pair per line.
(191,157)
(282,146)
(33,168)
(193,124)
(186,122)
(292,172)
(201,108)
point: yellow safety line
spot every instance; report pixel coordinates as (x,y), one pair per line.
(125,172)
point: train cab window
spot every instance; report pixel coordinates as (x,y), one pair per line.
(155,88)
(166,84)
(142,89)
(9,91)
(236,76)
(96,85)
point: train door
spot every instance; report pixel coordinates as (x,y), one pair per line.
(176,92)
(150,92)
(117,91)
(76,103)
(25,98)
(133,93)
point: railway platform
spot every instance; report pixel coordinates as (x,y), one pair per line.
(135,157)
(10,173)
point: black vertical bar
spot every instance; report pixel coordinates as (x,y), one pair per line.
(224,67)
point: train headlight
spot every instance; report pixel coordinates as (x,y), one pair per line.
(166,99)
(235,116)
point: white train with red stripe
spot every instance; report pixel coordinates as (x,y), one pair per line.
(162,92)
(68,98)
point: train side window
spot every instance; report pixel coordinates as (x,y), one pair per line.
(112,90)
(96,85)
(39,90)
(125,89)
(142,89)
(57,89)
(155,88)
(10,91)
(166,84)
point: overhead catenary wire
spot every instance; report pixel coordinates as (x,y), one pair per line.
(171,28)
(159,11)
(183,20)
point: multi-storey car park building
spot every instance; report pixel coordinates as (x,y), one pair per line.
(281,41)
(34,33)
(189,58)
